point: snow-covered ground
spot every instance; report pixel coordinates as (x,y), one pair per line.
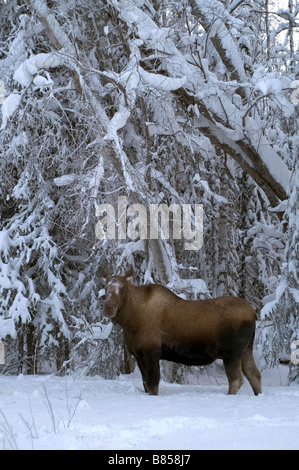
(73,412)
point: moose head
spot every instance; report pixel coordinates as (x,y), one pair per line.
(116,288)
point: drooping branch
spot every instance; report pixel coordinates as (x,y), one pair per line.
(56,34)
(241,138)
(212,20)
(246,156)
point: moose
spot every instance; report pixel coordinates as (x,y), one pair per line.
(158,324)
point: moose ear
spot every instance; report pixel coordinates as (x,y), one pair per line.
(129,272)
(105,273)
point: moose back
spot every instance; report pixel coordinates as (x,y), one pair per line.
(157,324)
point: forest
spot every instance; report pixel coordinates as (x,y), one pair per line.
(135,103)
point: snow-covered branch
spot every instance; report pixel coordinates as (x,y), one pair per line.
(29,69)
(214,17)
(220,115)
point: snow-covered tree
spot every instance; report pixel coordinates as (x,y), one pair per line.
(160,102)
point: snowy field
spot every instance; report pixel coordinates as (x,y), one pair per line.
(49,412)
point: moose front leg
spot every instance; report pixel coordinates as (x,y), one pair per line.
(140,365)
(148,363)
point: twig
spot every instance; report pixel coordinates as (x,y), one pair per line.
(8,432)
(50,409)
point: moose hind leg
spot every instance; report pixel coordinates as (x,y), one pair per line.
(251,372)
(234,374)
(140,365)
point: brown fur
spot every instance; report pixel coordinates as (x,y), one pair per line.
(159,325)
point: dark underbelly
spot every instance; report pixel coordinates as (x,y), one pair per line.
(192,356)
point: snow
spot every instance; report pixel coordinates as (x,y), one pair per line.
(198,181)
(78,412)
(190,286)
(118,121)
(102,331)
(161,82)
(2,353)
(273,83)
(295,94)
(65,180)
(8,328)
(40,81)
(9,106)
(266,310)
(26,71)
(213,13)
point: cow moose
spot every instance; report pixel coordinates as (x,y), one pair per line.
(158,324)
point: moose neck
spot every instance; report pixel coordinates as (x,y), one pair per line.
(126,317)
